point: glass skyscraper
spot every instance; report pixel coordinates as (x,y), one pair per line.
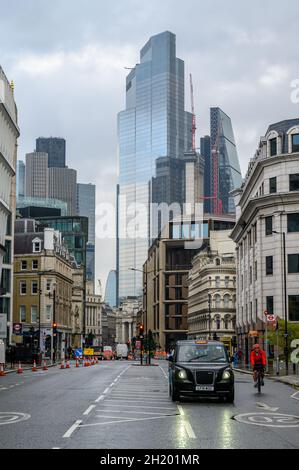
(229,172)
(110,289)
(153,125)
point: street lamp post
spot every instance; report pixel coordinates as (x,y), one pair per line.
(209,303)
(286,347)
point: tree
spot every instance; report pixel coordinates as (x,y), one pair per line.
(293,333)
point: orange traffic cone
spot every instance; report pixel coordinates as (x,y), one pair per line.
(77,363)
(2,371)
(85,362)
(97,360)
(45,365)
(92,362)
(34,368)
(62,365)
(20,370)
(68,366)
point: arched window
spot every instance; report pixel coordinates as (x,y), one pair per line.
(217,262)
(293,139)
(226,301)
(217,320)
(217,300)
(226,322)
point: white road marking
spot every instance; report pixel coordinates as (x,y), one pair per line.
(267,407)
(134,412)
(135,400)
(277,420)
(86,412)
(187,425)
(126,420)
(100,398)
(141,405)
(163,372)
(72,428)
(294,396)
(106,391)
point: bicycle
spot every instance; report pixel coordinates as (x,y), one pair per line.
(260,379)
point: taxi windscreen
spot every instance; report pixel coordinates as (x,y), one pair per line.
(202,353)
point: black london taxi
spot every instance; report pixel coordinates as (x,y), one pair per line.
(200,369)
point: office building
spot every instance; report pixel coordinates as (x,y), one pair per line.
(20,179)
(32,207)
(36,175)
(9,133)
(86,206)
(222,168)
(267,213)
(212,291)
(153,125)
(43,283)
(166,273)
(63,186)
(55,148)
(110,289)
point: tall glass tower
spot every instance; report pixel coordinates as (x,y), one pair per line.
(153,125)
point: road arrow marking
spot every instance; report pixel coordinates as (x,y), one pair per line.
(294,396)
(266,407)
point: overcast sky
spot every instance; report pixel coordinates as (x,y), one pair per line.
(67,60)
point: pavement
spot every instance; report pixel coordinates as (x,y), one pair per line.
(291,379)
(120,405)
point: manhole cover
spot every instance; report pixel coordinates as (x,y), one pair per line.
(277,420)
(10,417)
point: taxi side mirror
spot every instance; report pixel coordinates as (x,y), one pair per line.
(170,358)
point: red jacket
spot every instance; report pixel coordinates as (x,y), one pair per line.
(258,358)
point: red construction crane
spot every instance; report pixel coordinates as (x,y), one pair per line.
(193,116)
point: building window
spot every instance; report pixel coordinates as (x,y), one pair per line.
(34,288)
(293,307)
(295,143)
(294,182)
(226,281)
(22,313)
(217,262)
(270,304)
(226,301)
(273,185)
(48,285)
(23,265)
(217,279)
(269,225)
(269,265)
(48,312)
(23,288)
(255,269)
(273,147)
(293,263)
(35,264)
(250,274)
(293,222)
(33,313)
(36,246)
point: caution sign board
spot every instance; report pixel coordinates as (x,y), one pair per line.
(88,352)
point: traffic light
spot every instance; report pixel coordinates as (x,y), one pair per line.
(54,329)
(141,330)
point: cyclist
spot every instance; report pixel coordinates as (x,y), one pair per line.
(258,361)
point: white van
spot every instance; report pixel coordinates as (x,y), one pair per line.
(122,351)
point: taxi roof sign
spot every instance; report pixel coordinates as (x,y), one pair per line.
(201,341)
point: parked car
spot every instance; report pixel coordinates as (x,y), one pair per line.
(202,369)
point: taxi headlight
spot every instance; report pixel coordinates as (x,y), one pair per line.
(182,374)
(226,375)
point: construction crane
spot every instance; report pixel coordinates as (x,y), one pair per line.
(193,115)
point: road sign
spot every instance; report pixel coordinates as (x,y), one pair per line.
(88,352)
(271,318)
(78,352)
(138,344)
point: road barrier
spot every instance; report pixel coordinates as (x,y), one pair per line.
(45,365)
(34,368)
(62,365)
(68,365)
(20,370)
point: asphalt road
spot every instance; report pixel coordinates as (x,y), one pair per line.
(122,405)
